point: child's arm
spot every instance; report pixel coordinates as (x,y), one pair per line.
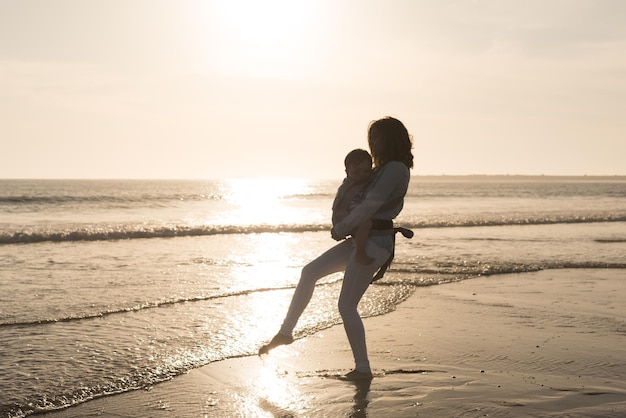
(394,175)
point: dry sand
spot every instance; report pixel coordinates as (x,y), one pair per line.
(550,343)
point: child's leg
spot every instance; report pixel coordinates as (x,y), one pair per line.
(361,236)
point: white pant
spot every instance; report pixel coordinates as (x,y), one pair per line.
(357,278)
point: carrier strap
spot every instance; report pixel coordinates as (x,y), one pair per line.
(407,233)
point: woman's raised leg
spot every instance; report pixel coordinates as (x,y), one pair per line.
(332,261)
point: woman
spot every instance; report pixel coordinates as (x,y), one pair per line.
(390,145)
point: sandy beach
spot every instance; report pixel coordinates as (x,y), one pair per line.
(549,343)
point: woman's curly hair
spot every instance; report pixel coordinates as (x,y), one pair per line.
(395,142)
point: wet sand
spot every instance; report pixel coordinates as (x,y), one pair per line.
(550,343)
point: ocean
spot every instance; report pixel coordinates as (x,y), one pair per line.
(108,286)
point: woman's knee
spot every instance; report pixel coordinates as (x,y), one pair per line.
(317,269)
(346,308)
(309,273)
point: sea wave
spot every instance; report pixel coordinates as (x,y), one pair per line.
(400,274)
(139,307)
(30,237)
(126,232)
(101,199)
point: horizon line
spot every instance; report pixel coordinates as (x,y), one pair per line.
(314,178)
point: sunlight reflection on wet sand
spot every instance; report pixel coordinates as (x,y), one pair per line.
(271,390)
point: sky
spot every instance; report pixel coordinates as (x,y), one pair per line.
(190,89)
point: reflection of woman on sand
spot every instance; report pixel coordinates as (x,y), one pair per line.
(390,145)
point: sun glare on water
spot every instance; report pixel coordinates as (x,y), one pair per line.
(262,201)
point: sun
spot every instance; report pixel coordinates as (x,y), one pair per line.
(272,38)
(269,25)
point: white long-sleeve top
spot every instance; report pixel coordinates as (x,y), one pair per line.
(384,198)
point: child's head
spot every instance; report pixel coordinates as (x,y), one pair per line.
(358,164)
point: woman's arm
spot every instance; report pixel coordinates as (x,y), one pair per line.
(394,175)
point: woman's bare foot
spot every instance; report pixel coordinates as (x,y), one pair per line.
(356,375)
(278,340)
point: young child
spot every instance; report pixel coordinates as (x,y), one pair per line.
(358,165)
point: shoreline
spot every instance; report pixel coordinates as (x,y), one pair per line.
(529,344)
